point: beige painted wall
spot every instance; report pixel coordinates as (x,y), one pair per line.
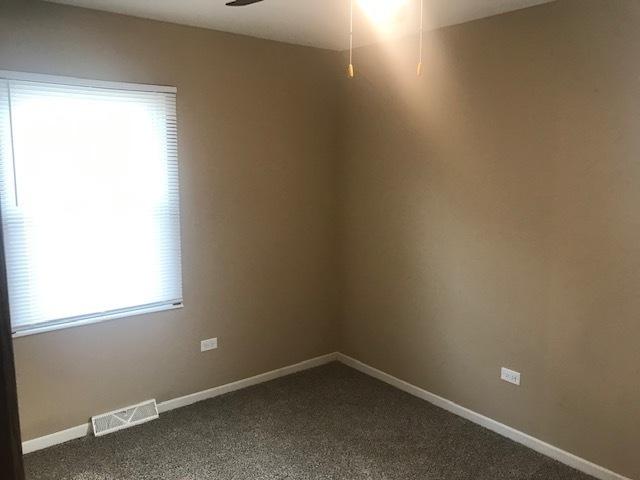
(492,218)
(488,216)
(257,151)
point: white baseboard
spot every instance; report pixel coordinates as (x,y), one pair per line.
(84,429)
(517,436)
(56,438)
(527,440)
(246,382)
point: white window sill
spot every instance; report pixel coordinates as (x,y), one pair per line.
(89,320)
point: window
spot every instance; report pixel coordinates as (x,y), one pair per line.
(89,200)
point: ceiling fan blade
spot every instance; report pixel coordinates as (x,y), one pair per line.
(241,3)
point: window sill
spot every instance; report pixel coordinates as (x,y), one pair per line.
(79,322)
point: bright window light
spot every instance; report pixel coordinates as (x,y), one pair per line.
(381,12)
(89,198)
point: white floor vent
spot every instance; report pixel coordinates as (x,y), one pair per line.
(124,418)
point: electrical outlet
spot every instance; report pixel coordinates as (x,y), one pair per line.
(510,376)
(210,344)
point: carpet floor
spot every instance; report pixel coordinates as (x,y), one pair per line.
(330,422)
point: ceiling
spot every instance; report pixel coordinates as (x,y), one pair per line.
(318,23)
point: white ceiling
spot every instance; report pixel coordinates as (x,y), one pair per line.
(318,23)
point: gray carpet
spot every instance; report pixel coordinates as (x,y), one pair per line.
(327,423)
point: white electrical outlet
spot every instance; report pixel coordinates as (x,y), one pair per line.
(209,344)
(510,376)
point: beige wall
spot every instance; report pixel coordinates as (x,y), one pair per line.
(488,217)
(492,218)
(257,151)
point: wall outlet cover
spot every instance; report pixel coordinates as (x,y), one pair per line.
(209,344)
(510,376)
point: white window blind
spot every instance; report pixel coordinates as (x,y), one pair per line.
(89,201)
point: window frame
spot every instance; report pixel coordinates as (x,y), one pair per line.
(97,317)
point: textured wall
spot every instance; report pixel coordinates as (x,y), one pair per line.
(492,218)
(488,216)
(257,151)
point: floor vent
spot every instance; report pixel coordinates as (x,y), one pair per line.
(124,418)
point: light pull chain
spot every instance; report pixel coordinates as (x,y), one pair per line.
(419,69)
(350,70)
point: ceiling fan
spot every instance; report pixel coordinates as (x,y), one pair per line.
(350,69)
(241,3)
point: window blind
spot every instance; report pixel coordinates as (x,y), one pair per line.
(89,201)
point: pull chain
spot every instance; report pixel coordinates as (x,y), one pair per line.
(419,69)
(350,70)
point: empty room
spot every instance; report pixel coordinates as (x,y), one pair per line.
(320,239)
